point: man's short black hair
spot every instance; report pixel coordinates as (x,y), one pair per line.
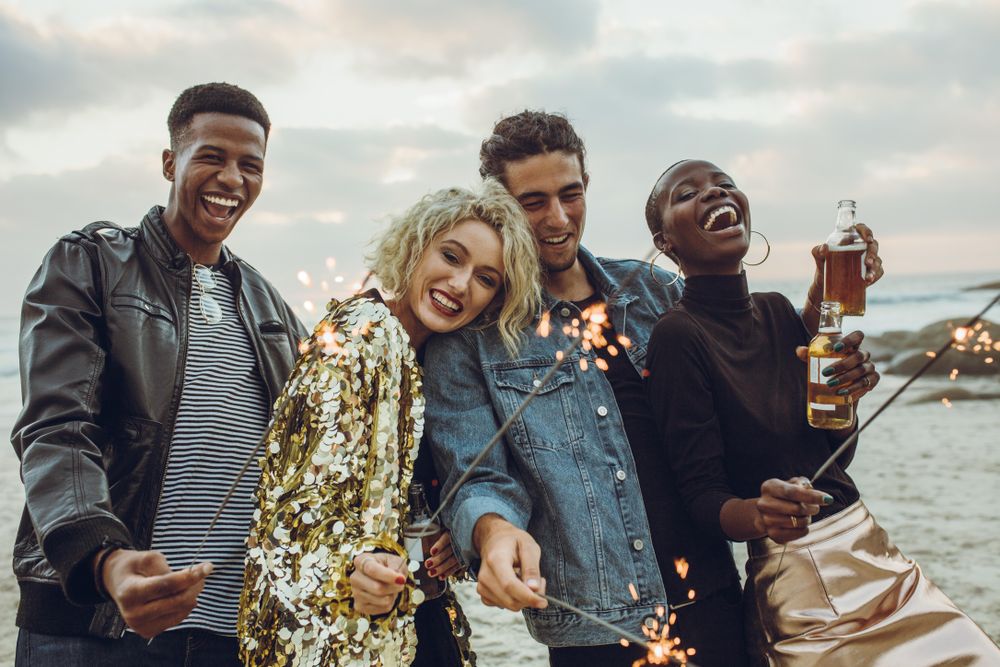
(213,98)
(527,134)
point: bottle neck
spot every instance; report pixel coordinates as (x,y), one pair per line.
(845,218)
(418,502)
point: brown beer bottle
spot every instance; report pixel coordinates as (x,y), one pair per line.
(844,275)
(419,536)
(824,408)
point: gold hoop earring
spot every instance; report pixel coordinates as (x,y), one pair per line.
(652,274)
(766,254)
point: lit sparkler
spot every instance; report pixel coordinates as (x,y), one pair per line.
(958,335)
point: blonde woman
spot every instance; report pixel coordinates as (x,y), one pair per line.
(323,581)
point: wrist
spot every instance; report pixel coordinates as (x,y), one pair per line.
(486,527)
(99,564)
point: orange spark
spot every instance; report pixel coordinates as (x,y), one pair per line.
(544,327)
(946,402)
(603,365)
(624,342)
(681,565)
(633,592)
(961,333)
(583,363)
(953,374)
(308,305)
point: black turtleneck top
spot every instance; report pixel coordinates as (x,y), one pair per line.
(729,398)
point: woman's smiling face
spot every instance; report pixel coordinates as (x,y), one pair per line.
(459,274)
(705,218)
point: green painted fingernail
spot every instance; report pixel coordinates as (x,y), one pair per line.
(837,347)
(828,371)
(843,392)
(833,382)
(827,499)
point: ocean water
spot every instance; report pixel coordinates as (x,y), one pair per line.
(906,302)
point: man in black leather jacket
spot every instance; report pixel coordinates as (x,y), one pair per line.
(106,328)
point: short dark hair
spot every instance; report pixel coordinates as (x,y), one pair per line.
(653,201)
(213,98)
(524,135)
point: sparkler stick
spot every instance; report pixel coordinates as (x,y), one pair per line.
(932,359)
(930,362)
(562,356)
(566,351)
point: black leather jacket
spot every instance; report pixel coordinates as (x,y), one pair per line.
(103,348)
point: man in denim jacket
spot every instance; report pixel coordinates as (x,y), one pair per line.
(560,495)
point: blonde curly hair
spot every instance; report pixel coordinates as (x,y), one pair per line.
(399,249)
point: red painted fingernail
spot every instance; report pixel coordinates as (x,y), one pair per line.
(400,580)
(434,551)
(430,572)
(428,563)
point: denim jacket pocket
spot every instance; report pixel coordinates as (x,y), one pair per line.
(551,420)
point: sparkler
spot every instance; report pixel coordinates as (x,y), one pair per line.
(960,335)
(587,333)
(658,653)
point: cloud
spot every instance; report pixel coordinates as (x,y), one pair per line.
(906,121)
(53,68)
(433,38)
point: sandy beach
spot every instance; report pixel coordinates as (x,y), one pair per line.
(925,470)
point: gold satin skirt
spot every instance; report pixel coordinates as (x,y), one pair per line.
(845,595)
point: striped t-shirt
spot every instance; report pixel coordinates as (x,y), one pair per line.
(222,415)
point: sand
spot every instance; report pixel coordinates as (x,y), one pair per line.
(926,471)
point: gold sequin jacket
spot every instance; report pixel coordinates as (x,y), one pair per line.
(334,478)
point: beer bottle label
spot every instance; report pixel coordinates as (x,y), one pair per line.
(414,548)
(822,406)
(816,366)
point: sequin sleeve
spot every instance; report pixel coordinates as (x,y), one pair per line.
(338,462)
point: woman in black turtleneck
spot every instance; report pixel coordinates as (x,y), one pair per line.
(728,393)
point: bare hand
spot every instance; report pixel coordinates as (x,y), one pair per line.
(873,263)
(505,549)
(854,375)
(150,596)
(443,563)
(786,508)
(376,582)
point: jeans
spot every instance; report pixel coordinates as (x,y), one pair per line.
(177,648)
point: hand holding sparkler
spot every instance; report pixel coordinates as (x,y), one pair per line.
(505,549)
(376,582)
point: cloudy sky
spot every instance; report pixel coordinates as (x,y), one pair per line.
(893,103)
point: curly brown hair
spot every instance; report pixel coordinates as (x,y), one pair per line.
(524,135)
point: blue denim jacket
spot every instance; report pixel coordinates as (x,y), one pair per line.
(564,471)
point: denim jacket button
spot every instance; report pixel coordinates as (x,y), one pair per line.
(637,545)
(620,475)
(602,411)
(564,312)
(649,622)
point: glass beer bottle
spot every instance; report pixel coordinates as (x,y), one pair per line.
(824,408)
(419,536)
(844,275)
